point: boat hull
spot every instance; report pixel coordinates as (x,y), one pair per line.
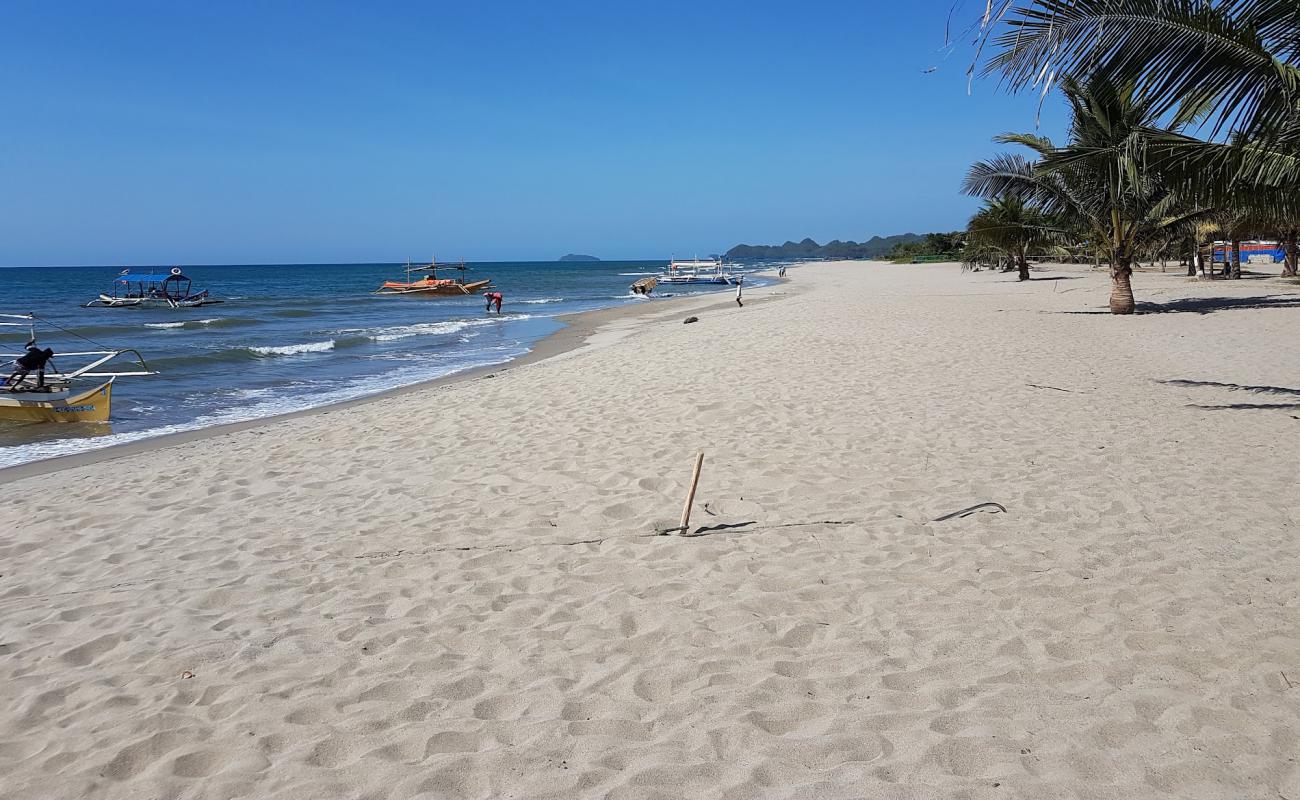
(105,301)
(441,290)
(90,405)
(686,281)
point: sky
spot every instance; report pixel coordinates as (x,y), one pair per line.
(323,132)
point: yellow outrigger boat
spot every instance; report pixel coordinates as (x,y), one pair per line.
(52,396)
(66,405)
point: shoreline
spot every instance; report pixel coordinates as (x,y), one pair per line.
(577,331)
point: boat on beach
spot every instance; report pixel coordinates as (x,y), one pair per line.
(172,289)
(698,271)
(49,395)
(645,286)
(430,285)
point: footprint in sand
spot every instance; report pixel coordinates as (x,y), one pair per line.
(198,764)
(86,653)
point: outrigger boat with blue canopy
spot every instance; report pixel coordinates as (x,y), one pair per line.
(53,396)
(171,289)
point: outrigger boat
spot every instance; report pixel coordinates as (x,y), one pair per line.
(698,271)
(431,284)
(53,396)
(152,290)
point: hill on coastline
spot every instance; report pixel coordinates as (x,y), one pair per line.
(578,257)
(875,247)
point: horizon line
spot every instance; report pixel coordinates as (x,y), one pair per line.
(140,265)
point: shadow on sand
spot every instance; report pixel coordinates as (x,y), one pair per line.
(714,530)
(1250,406)
(1204,305)
(1238,387)
(1043,278)
(1209,305)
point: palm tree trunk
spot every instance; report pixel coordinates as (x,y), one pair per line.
(1191,258)
(1290,269)
(1235,272)
(1023,264)
(1121,287)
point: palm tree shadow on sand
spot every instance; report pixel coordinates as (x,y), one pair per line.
(1205,305)
(1237,387)
(1210,305)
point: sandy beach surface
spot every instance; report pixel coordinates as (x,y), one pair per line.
(456,592)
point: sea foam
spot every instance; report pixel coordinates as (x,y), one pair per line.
(294,349)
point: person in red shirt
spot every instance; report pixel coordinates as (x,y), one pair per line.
(493,299)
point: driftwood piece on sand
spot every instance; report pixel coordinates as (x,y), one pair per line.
(689,320)
(690,494)
(690,498)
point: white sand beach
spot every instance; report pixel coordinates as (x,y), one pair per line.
(457,592)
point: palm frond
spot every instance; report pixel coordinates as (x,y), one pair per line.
(1230,63)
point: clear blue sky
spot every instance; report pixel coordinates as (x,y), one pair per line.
(180,132)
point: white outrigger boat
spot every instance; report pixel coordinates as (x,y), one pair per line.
(171,289)
(698,271)
(49,395)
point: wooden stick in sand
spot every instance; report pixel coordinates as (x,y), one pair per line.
(690,495)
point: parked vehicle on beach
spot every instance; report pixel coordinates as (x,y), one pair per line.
(171,289)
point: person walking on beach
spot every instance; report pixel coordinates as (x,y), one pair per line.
(740,284)
(493,298)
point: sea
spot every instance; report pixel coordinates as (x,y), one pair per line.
(287,338)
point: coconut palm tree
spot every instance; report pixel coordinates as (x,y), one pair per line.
(1009,226)
(1231,65)
(1099,180)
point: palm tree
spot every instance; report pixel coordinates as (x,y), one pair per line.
(1011,227)
(1100,180)
(1232,66)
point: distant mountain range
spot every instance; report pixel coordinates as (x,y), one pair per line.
(875,247)
(578,257)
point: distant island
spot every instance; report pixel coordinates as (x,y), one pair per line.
(578,257)
(875,247)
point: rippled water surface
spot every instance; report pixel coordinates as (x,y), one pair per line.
(286,338)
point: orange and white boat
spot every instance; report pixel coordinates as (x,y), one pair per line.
(431,284)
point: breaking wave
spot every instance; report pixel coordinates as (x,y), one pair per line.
(294,349)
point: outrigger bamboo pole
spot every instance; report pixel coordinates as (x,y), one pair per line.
(690,495)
